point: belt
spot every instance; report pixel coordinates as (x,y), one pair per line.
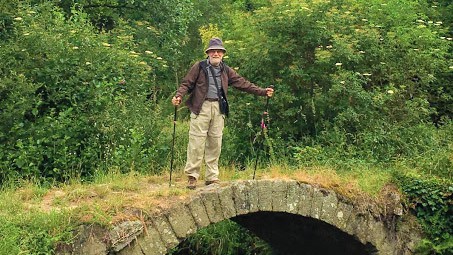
(212,99)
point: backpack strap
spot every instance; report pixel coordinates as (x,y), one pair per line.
(203,65)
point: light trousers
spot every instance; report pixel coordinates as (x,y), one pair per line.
(205,141)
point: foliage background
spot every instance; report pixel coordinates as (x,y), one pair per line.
(85,87)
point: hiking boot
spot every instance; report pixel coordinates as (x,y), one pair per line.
(212,182)
(192,183)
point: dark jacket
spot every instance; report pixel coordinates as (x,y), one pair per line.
(196,83)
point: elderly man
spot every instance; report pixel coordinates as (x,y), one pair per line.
(207,83)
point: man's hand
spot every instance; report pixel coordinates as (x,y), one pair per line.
(269,92)
(176,101)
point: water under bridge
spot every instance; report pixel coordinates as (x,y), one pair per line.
(293,217)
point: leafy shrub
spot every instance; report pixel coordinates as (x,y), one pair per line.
(74,100)
(432,202)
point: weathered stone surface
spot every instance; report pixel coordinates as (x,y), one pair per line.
(264,188)
(344,211)
(196,207)
(245,197)
(279,189)
(212,204)
(124,233)
(316,203)
(306,197)
(359,225)
(292,197)
(133,248)
(378,236)
(181,220)
(227,202)
(376,232)
(329,207)
(89,241)
(168,236)
(149,243)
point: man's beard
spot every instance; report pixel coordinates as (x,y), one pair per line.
(215,61)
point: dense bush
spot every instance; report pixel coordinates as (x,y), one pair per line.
(432,201)
(74,100)
(339,76)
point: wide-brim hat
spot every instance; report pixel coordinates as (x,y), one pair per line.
(215,44)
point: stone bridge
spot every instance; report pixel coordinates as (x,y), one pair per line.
(288,214)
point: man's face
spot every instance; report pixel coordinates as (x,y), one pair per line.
(215,56)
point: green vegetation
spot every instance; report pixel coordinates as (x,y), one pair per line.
(363,89)
(225,237)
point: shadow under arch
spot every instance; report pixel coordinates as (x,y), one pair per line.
(295,234)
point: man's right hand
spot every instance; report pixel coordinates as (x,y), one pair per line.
(176,101)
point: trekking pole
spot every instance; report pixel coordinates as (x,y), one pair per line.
(263,128)
(173,144)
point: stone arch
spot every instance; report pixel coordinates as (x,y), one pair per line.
(211,205)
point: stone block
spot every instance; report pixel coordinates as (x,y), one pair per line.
(292,197)
(212,205)
(181,220)
(316,203)
(305,199)
(149,243)
(342,216)
(245,196)
(89,241)
(329,207)
(359,225)
(279,189)
(198,210)
(133,249)
(227,202)
(161,224)
(264,188)
(377,233)
(124,233)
